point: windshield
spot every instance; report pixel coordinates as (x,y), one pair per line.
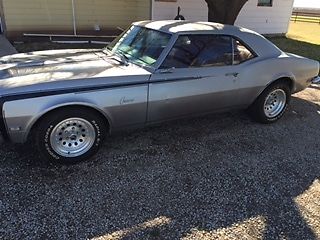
(140,45)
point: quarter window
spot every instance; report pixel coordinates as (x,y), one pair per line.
(241,53)
(200,51)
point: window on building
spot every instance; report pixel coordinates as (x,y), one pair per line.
(200,51)
(266,3)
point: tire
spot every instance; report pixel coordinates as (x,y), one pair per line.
(272,103)
(69,135)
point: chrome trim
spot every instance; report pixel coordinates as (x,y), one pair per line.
(316,80)
(275,103)
(72,137)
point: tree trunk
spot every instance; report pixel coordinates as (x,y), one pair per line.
(224,11)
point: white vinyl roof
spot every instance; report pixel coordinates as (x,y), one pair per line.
(172,26)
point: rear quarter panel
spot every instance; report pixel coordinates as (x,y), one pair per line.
(304,70)
(257,74)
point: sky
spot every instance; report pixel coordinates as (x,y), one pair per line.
(307,3)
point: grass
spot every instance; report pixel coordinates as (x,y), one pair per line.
(307,32)
(302,39)
(305,49)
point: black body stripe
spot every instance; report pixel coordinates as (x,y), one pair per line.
(8,98)
(66,91)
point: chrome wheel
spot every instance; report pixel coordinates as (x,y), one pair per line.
(275,103)
(72,137)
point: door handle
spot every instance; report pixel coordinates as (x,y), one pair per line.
(167,70)
(235,74)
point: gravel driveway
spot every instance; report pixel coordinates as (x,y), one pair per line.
(216,177)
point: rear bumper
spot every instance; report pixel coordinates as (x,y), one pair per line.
(316,80)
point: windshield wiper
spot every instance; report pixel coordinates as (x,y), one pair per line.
(124,54)
(123,59)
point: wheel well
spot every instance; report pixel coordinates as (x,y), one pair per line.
(286,80)
(66,108)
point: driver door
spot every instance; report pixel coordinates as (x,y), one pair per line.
(196,77)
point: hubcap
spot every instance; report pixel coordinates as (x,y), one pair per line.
(72,137)
(275,103)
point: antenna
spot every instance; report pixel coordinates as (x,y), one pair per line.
(179,17)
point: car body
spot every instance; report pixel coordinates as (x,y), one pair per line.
(132,88)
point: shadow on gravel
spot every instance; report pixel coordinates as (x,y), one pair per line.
(315,86)
(166,182)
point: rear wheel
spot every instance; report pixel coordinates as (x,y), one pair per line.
(270,106)
(70,135)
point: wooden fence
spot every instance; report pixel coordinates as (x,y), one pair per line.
(305,17)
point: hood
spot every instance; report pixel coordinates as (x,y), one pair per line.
(46,70)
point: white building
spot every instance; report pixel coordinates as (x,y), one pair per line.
(263,16)
(86,16)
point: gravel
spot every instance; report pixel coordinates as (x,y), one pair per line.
(221,176)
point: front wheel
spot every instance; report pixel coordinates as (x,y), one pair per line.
(70,135)
(270,106)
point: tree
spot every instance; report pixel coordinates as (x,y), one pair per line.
(224,11)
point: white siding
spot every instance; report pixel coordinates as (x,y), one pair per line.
(52,15)
(192,9)
(266,20)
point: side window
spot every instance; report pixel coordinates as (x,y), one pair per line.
(241,53)
(200,51)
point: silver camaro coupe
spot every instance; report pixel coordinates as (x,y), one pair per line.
(67,101)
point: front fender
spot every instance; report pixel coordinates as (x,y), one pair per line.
(21,115)
(69,104)
(122,107)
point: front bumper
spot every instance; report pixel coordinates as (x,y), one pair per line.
(1,138)
(3,130)
(316,80)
